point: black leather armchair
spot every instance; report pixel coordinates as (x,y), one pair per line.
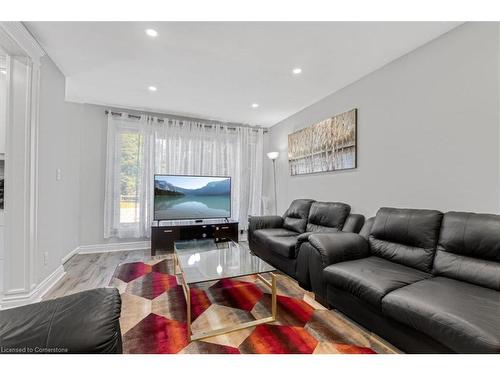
(85,322)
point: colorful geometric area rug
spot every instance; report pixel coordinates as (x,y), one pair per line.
(153,318)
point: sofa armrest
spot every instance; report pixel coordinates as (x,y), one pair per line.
(353,223)
(339,247)
(263,222)
(85,322)
(324,249)
(303,237)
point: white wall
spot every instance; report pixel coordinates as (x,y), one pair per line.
(60,127)
(428,131)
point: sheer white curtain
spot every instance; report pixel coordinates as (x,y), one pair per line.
(129,171)
(140,147)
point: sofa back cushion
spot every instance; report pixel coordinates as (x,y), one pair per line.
(327,216)
(295,218)
(469,248)
(406,236)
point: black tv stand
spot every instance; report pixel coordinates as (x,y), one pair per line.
(165,233)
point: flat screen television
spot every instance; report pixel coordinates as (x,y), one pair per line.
(179,197)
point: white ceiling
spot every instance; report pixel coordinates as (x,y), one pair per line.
(216,70)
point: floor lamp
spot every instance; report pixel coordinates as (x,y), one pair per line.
(273,156)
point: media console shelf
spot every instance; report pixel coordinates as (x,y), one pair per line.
(166,233)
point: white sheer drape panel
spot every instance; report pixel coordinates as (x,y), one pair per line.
(249,173)
(128,174)
(176,147)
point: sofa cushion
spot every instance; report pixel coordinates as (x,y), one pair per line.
(278,240)
(469,248)
(461,316)
(295,218)
(406,236)
(370,279)
(283,245)
(325,216)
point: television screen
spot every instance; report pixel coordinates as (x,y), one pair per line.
(191,197)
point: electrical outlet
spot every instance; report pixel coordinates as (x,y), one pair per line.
(58,174)
(45,258)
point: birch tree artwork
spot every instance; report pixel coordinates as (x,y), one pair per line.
(329,145)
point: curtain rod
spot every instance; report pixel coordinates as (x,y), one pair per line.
(231,126)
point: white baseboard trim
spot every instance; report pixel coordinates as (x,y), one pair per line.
(114,246)
(106,248)
(19,299)
(70,255)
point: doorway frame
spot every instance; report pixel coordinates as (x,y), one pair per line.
(20,245)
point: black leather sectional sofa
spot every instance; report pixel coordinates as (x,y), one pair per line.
(85,322)
(425,281)
(277,239)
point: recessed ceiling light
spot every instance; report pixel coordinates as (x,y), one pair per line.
(152,33)
(255,105)
(297,71)
(152,88)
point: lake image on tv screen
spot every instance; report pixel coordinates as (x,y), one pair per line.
(190,197)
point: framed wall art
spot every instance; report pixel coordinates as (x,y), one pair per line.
(329,145)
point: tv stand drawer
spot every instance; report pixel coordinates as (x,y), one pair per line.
(226,231)
(196,232)
(163,238)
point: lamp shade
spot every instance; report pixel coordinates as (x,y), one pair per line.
(273,155)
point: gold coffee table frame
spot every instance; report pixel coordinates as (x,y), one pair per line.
(220,331)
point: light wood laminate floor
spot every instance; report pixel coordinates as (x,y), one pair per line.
(89,271)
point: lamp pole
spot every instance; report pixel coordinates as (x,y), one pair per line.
(275,194)
(273,156)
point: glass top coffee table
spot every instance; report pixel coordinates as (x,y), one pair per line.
(198,261)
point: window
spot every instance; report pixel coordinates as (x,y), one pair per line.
(140,146)
(129,177)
